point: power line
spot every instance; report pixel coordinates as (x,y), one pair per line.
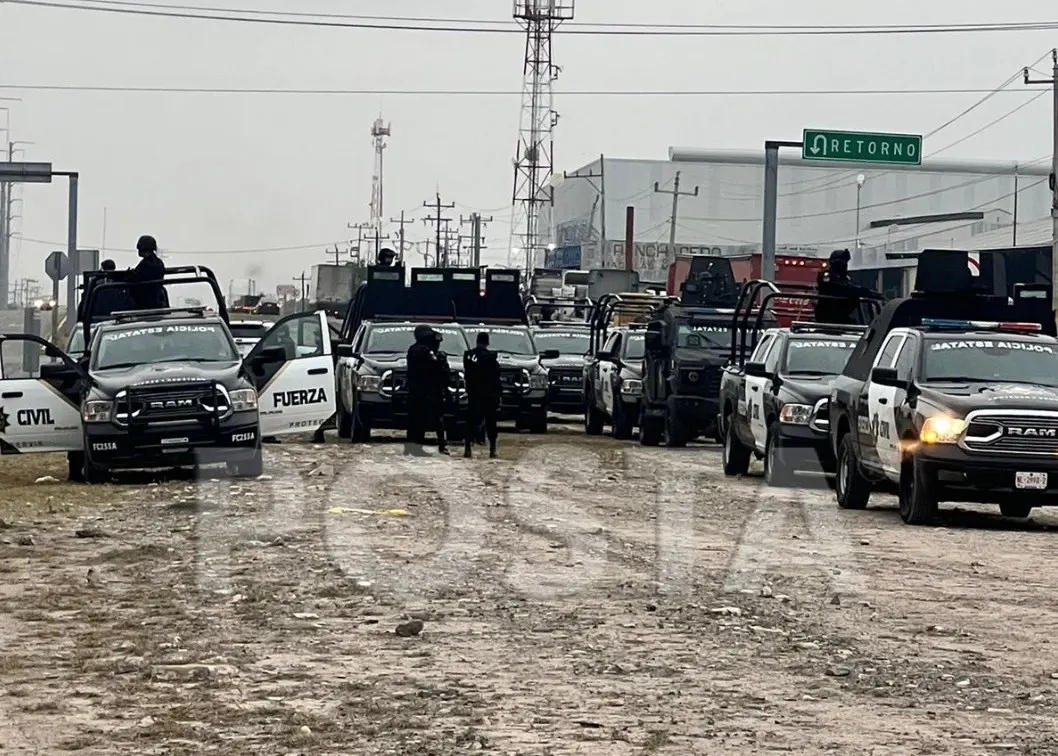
(464,25)
(501,92)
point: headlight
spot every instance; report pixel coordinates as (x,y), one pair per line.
(632,386)
(243,399)
(795,414)
(97,411)
(941,429)
(369,383)
(538,380)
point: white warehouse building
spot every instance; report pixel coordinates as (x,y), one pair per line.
(821,207)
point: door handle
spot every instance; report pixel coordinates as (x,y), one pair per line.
(12,395)
(318,371)
(883,400)
(756,388)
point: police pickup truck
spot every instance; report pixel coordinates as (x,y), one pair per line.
(165,389)
(775,405)
(613,384)
(372,376)
(950,410)
(566,371)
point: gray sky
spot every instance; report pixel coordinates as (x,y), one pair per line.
(216,172)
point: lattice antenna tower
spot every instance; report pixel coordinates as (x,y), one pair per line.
(533,161)
(380,131)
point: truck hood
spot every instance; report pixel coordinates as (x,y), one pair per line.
(963,397)
(807,388)
(112,381)
(382,363)
(565,361)
(512,361)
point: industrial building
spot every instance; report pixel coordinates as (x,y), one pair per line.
(821,207)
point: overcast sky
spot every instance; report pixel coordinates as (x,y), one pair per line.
(208,173)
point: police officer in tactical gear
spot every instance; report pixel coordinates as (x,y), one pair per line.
(842,302)
(427,387)
(109,300)
(386,257)
(148,292)
(482,371)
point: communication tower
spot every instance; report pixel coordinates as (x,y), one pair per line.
(379,132)
(533,162)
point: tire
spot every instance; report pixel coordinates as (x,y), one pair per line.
(776,473)
(538,422)
(359,431)
(593,420)
(675,432)
(623,426)
(852,488)
(75,467)
(1017,511)
(650,431)
(736,456)
(345,421)
(251,468)
(93,474)
(918,503)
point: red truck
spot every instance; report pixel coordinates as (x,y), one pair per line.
(791,271)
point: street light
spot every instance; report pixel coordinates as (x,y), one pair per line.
(860,180)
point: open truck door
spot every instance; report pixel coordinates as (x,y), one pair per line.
(41,413)
(293,371)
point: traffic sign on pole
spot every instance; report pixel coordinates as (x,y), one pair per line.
(57,266)
(26,173)
(861,147)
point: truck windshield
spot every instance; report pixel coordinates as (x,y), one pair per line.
(399,339)
(143,345)
(565,342)
(634,347)
(977,360)
(695,336)
(818,356)
(511,341)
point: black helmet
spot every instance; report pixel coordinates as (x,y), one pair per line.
(146,245)
(108,265)
(386,256)
(423,333)
(841,254)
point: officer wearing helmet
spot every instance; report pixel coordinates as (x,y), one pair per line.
(148,292)
(427,387)
(386,257)
(842,302)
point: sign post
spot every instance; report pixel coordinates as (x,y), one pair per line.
(57,266)
(861,147)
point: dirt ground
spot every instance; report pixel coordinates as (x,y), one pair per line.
(576,596)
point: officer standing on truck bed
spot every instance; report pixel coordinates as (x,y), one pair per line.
(844,296)
(482,371)
(427,387)
(148,291)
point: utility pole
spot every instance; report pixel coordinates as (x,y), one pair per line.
(676,194)
(337,255)
(1053,82)
(438,221)
(6,190)
(476,222)
(601,189)
(379,238)
(400,234)
(302,278)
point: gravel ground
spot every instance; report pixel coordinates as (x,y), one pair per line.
(576,596)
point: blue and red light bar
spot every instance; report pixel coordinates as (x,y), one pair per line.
(982,325)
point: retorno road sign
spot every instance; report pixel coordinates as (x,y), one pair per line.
(861,147)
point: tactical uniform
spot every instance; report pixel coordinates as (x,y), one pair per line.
(427,387)
(148,292)
(482,371)
(842,306)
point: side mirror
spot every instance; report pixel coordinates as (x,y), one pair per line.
(757,370)
(549,354)
(344,350)
(887,377)
(652,341)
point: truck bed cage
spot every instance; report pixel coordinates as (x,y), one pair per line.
(456,295)
(532,303)
(98,281)
(609,305)
(124,316)
(827,328)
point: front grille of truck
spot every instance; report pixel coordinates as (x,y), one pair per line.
(394,383)
(566,378)
(514,382)
(1031,432)
(703,381)
(173,403)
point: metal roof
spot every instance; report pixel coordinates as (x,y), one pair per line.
(1037,233)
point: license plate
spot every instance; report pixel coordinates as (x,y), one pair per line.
(1036,481)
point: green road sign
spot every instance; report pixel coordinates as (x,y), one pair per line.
(862,147)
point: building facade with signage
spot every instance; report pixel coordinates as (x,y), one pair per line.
(821,207)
